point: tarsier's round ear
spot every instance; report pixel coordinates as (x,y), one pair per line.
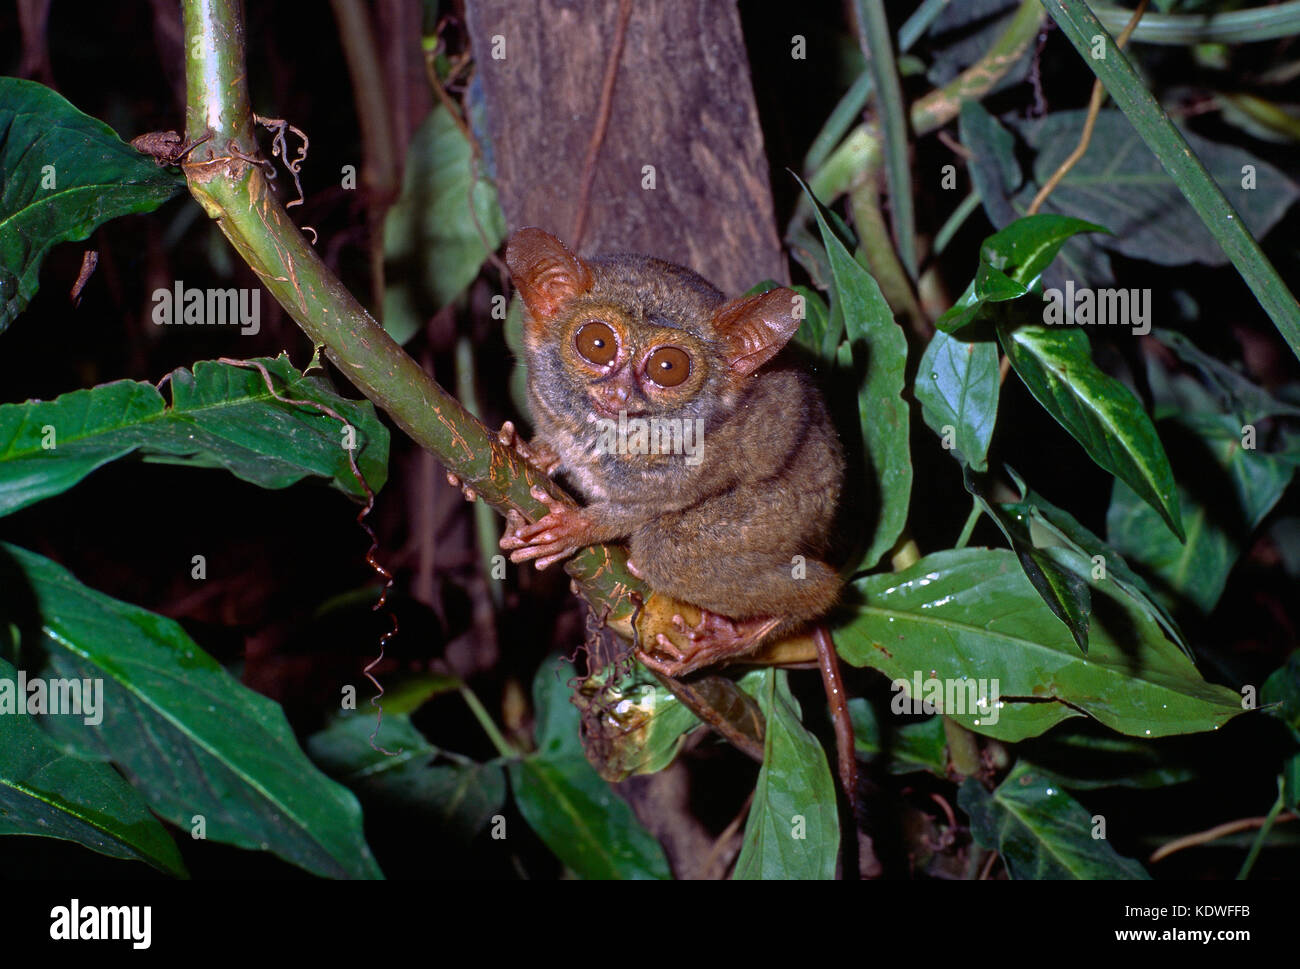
(544,271)
(754,328)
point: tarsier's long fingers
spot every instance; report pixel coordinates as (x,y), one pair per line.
(469,493)
(554,536)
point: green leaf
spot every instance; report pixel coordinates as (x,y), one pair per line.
(1040,830)
(220,416)
(881,349)
(1081,26)
(1011,265)
(1229,490)
(47,792)
(1059,531)
(994,171)
(1064,590)
(457,796)
(1281,694)
(912,747)
(192,739)
(440,230)
(1026,247)
(65,174)
(793,828)
(1122,185)
(969,620)
(815,333)
(564,800)
(1102,414)
(1233,392)
(957,384)
(1088,759)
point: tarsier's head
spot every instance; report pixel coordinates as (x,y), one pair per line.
(637,335)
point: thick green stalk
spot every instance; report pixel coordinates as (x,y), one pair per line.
(837,174)
(232,188)
(877,46)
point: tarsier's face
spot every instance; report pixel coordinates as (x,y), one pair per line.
(617,364)
(637,337)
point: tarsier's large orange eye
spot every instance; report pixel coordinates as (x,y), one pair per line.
(596,342)
(668,366)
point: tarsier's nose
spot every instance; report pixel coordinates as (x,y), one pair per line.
(617,395)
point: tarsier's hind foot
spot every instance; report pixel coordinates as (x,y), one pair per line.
(713,639)
(538,453)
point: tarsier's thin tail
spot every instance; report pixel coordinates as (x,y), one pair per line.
(838,699)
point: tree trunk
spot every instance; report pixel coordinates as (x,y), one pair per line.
(681,172)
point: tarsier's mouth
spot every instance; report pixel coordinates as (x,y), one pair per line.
(608,410)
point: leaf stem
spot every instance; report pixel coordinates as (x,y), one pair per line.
(1264,829)
(969,527)
(503,746)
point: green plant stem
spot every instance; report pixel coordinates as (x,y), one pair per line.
(937,108)
(840,120)
(971,520)
(485,523)
(381,168)
(837,173)
(503,746)
(859,92)
(955,221)
(1258,844)
(1228,27)
(235,193)
(877,46)
(1168,144)
(881,256)
(963,748)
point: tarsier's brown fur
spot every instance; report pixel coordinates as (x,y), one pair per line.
(740,532)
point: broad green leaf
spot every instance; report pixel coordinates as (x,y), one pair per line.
(1120,183)
(456,795)
(994,171)
(911,747)
(440,230)
(191,738)
(632,726)
(1281,694)
(65,174)
(564,800)
(793,829)
(1228,492)
(969,621)
(45,791)
(1040,830)
(220,416)
(880,347)
(1011,265)
(1064,590)
(1081,27)
(957,385)
(1233,392)
(815,333)
(1102,414)
(1090,757)
(1056,530)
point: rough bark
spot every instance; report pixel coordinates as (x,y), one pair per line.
(682,103)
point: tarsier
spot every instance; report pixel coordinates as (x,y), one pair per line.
(730,506)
